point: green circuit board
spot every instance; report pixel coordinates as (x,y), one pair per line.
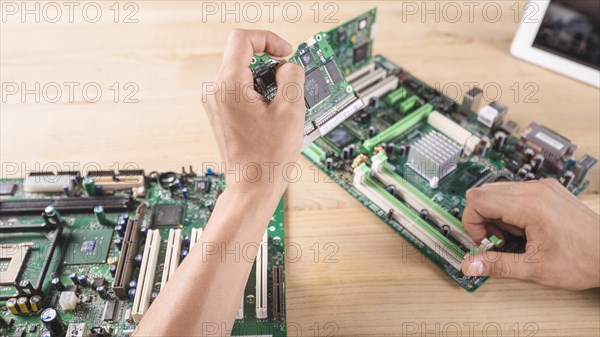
(172,207)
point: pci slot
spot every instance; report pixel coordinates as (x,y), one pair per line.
(399,127)
(145,282)
(129,247)
(196,233)
(416,226)
(358,74)
(364,82)
(171,256)
(377,86)
(261,278)
(240,311)
(417,200)
(278,309)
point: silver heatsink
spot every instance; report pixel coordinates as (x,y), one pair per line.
(434,156)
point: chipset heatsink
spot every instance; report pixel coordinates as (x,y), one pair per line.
(433,157)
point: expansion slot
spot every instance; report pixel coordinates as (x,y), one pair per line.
(196,233)
(145,282)
(454,131)
(417,200)
(171,256)
(261,277)
(358,74)
(411,221)
(129,247)
(366,81)
(278,309)
(70,205)
(399,127)
(240,311)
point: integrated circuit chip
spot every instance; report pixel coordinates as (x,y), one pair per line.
(360,53)
(333,71)
(307,58)
(168,215)
(340,137)
(315,88)
(88,246)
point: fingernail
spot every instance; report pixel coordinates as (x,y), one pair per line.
(475,268)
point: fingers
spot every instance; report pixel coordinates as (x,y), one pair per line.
(504,265)
(242,44)
(290,87)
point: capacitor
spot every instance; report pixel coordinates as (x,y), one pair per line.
(53,322)
(23,304)
(124,217)
(84,281)
(131,293)
(144,231)
(66,190)
(35,302)
(389,148)
(530,176)
(120,230)
(536,162)
(73,278)
(154,295)
(57,284)
(391,189)
(177,184)
(499,141)
(567,178)
(445,230)
(133,284)
(526,167)
(185,192)
(484,145)
(187,240)
(209,171)
(122,222)
(402,150)
(529,153)
(101,290)
(112,269)
(209,204)
(52,213)
(100,215)
(351,150)
(118,242)
(89,185)
(138,259)
(455,212)
(184,253)
(345,153)
(329,164)
(371,131)
(521,173)
(424,214)
(99,190)
(11,305)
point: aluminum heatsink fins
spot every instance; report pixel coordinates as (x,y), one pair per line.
(434,156)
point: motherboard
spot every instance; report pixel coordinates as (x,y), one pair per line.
(85,255)
(411,153)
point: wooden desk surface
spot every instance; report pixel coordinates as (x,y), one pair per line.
(354,276)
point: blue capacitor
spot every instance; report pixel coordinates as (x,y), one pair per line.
(209,204)
(66,190)
(57,284)
(138,260)
(99,190)
(118,242)
(185,192)
(112,269)
(144,231)
(124,216)
(184,253)
(154,295)
(122,222)
(132,284)
(186,240)
(131,293)
(120,230)
(177,184)
(209,171)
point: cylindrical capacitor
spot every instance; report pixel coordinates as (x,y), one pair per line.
(89,185)
(73,278)
(209,204)
(371,131)
(144,231)
(521,173)
(23,304)
(402,150)
(455,212)
(499,141)
(329,164)
(184,253)
(53,322)
(530,176)
(52,213)
(345,153)
(35,302)
(351,150)
(424,214)
(57,284)
(66,190)
(112,269)
(527,167)
(389,148)
(124,217)
(536,162)
(186,240)
(84,281)
(529,153)
(138,259)
(154,295)
(133,284)
(120,230)
(185,192)
(11,305)
(101,290)
(118,242)
(122,222)
(131,293)
(100,215)
(445,230)
(391,189)
(567,178)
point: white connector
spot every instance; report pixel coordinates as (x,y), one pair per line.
(145,282)
(196,233)
(261,278)
(171,256)
(454,131)
(240,311)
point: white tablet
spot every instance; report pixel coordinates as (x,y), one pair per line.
(563,36)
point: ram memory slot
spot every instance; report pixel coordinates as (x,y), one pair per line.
(399,127)
(409,219)
(417,200)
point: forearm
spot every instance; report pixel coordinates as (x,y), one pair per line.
(206,289)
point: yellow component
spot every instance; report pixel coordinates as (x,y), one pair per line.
(347,71)
(353,39)
(22,303)
(35,302)
(11,305)
(361,158)
(378,149)
(112,260)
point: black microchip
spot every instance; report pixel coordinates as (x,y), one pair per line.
(307,58)
(7,188)
(360,53)
(340,137)
(315,88)
(168,215)
(333,71)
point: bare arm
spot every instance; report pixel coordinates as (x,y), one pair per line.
(255,139)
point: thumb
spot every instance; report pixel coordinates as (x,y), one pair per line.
(290,85)
(504,265)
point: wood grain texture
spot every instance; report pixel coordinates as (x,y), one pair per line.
(354,276)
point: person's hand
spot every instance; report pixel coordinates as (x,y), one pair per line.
(563,247)
(259,141)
